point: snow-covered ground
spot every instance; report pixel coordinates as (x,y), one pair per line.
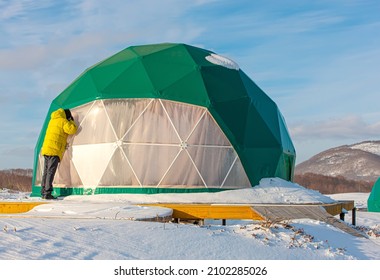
(104,227)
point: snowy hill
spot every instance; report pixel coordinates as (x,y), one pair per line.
(359,162)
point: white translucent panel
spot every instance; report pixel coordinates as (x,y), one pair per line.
(183,117)
(70,140)
(95,127)
(124,112)
(40,169)
(182,173)
(147,142)
(118,172)
(153,126)
(213,163)
(80,112)
(150,162)
(67,174)
(91,161)
(207,132)
(237,177)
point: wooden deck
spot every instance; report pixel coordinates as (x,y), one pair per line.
(247,211)
(274,212)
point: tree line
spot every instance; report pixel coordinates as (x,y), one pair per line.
(16,179)
(332,184)
(21,180)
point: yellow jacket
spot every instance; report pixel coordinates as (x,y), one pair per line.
(56,134)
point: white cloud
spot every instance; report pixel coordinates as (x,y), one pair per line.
(352,127)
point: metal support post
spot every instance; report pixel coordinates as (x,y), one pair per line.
(354,216)
(341,216)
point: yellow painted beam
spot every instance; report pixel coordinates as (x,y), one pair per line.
(17,207)
(211,211)
(337,208)
(233,212)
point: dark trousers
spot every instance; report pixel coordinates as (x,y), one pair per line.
(50,167)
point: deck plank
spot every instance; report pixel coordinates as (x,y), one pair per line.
(287,212)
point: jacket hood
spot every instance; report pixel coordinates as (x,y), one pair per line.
(60,113)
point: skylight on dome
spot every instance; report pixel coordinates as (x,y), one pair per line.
(222,61)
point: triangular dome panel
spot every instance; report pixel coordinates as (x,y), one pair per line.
(124,113)
(236,178)
(207,132)
(183,117)
(150,162)
(91,161)
(153,126)
(118,172)
(182,173)
(213,163)
(133,80)
(95,127)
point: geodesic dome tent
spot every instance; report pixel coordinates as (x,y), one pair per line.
(168,118)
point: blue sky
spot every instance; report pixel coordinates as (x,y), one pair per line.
(318,60)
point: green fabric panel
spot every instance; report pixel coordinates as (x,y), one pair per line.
(285,167)
(260,163)
(223,84)
(287,143)
(291,157)
(152,48)
(232,116)
(106,73)
(268,114)
(127,190)
(199,56)
(131,83)
(36,191)
(255,92)
(373,202)
(258,131)
(81,91)
(167,66)
(263,124)
(184,88)
(229,101)
(264,106)
(119,58)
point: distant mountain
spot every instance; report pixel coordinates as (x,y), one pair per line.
(359,162)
